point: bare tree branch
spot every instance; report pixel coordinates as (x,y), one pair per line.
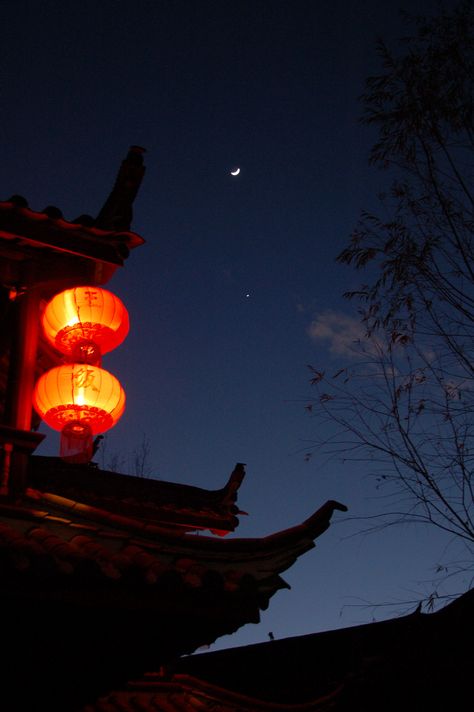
(406,403)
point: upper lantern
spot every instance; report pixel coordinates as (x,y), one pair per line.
(78,320)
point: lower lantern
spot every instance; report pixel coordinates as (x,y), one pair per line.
(80,401)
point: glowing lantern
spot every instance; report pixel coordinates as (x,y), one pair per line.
(85,322)
(79,394)
(81,399)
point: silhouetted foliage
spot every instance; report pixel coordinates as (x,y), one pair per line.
(137,462)
(405,402)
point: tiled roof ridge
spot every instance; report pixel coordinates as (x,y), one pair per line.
(53,517)
(184,691)
(168,505)
(101,516)
(226,494)
(84,223)
(315,525)
(303,533)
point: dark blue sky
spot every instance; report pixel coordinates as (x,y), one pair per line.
(234,270)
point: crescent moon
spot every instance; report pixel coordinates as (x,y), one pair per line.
(236,172)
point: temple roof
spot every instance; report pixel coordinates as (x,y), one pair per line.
(103,575)
(48,537)
(122,591)
(25,232)
(167,504)
(41,248)
(415,662)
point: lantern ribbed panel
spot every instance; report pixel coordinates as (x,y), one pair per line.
(79,392)
(85,313)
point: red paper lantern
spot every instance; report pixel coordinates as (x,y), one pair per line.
(79,393)
(81,320)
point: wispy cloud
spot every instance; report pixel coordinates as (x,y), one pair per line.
(342,332)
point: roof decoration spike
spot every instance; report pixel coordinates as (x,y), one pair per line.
(117,213)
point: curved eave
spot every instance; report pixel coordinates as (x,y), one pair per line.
(195,695)
(262,558)
(27,229)
(51,546)
(165,504)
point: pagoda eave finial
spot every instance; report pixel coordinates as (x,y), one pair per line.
(117,213)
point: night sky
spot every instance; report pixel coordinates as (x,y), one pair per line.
(235,270)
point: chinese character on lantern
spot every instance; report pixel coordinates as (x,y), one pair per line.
(80,398)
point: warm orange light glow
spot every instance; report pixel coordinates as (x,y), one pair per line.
(79,392)
(84,315)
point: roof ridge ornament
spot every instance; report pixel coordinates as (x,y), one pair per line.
(116,214)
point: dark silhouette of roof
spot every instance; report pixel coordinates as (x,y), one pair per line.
(117,213)
(97,596)
(27,232)
(415,663)
(168,504)
(28,235)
